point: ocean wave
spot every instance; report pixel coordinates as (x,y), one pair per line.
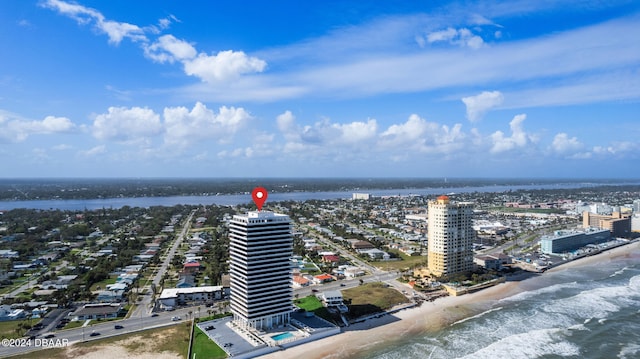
(532,344)
(629,351)
(477,315)
(598,302)
(618,272)
(545,290)
(634,283)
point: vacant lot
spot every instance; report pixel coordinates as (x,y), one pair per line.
(371,298)
(162,343)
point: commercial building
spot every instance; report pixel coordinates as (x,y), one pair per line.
(617,223)
(261,246)
(450,237)
(567,241)
(173,297)
(364,196)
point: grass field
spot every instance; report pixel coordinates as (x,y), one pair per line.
(313,304)
(8,329)
(203,347)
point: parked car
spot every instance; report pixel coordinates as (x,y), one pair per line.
(210,327)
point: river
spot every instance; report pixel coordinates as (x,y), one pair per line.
(236,199)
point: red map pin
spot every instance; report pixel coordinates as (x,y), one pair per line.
(259,196)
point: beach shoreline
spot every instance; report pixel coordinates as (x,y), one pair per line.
(432,316)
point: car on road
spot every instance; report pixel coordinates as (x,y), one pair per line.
(176,318)
(154,314)
(343,285)
(118,326)
(48,336)
(94,334)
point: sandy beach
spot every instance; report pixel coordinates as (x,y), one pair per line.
(430,316)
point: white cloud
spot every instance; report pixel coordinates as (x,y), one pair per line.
(184,126)
(169,49)
(116,31)
(407,134)
(417,134)
(15,129)
(326,133)
(127,124)
(619,149)
(461,37)
(286,121)
(223,66)
(518,139)
(563,144)
(480,104)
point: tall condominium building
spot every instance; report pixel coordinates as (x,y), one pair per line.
(261,246)
(451,235)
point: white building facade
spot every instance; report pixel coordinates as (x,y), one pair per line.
(261,247)
(451,236)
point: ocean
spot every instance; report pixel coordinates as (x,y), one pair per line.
(579,312)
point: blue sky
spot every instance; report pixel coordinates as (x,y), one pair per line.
(320,89)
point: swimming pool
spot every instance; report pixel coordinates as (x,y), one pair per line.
(282,336)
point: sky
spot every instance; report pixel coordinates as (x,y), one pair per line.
(541,89)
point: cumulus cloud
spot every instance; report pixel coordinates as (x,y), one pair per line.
(479,105)
(518,139)
(563,144)
(410,132)
(14,129)
(286,122)
(184,126)
(423,136)
(223,66)
(462,37)
(328,133)
(126,124)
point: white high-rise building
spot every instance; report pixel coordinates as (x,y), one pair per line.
(261,246)
(450,238)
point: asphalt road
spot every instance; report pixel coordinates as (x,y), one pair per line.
(105,329)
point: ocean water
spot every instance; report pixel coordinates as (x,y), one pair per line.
(580,312)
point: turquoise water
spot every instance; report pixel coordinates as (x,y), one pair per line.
(282,336)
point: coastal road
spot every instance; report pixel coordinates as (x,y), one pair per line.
(105,329)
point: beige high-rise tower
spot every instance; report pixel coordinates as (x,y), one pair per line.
(451,235)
